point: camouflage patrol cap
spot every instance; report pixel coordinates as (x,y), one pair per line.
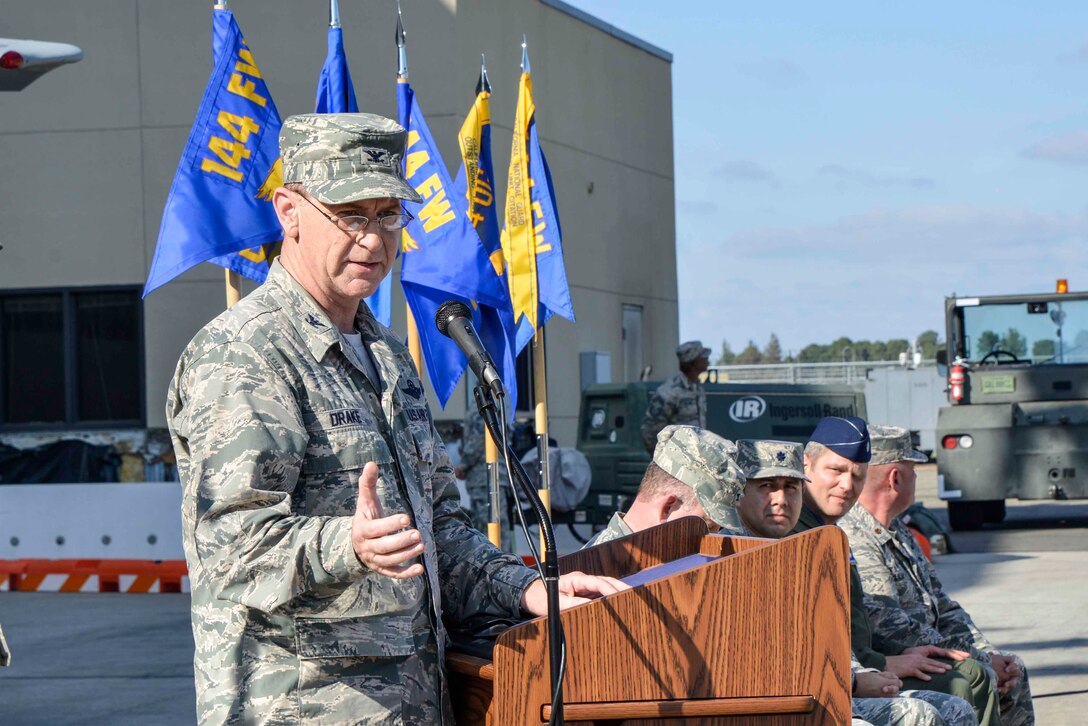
(892,444)
(345,157)
(765,459)
(692,351)
(705,462)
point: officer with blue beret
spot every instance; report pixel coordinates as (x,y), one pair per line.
(837,458)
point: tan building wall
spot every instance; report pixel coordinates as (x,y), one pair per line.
(88,152)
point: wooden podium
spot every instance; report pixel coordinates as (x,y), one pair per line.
(758,635)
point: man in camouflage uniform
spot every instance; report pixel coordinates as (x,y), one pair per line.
(771,501)
(904,596)
(770,507)
(680,399)
(693,474)
(322,528)
(836,461)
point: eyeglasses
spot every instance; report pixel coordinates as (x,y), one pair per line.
(357,223)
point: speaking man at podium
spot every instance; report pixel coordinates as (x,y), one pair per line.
(322,528)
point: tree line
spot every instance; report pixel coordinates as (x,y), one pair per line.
(837,351)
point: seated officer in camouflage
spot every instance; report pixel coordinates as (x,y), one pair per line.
(322,527)
(771,502)
(769,507)
(903,594)
(836,462)
(693,474)
(680,399)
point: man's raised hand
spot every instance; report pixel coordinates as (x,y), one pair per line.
(383,544)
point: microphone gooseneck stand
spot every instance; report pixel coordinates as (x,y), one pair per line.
(485,404)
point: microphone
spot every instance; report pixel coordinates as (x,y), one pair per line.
(454,320)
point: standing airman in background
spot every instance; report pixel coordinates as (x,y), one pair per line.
(680,398)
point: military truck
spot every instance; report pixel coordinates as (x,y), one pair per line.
(1017,420)
(611,418)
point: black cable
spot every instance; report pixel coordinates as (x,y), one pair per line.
(485,403)
(488,412)
(577,535)
(558,690)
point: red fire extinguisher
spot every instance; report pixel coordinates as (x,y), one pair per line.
(957,377)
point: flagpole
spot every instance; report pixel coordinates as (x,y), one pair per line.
(491,456)
(233,280)
(234,287)
(491,448)
(415,349)
(540,381)
(540,395)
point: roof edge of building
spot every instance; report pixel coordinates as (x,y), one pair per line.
(612,30)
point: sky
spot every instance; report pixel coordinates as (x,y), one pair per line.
(842,167)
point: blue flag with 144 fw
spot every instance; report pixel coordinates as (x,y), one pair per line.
(442,255)
(475,184)
(219,207)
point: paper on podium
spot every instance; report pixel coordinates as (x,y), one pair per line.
(667,568)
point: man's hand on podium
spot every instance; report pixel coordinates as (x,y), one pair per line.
(575,588)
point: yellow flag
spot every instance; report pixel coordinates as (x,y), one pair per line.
(469,139)
(518,238)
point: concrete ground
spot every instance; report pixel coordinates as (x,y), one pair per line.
(1025,583)
(127,659)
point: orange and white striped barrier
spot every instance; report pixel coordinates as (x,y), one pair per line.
(133,576)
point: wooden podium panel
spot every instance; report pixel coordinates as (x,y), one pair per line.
(758,635)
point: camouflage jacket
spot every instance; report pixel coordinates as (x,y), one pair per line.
(616,528)
(273,419)
(676,401)
(903,595)
(472,441)
(474,448)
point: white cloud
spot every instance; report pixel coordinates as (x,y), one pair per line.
(1069,148)
(743,170)
(695,206)
(860,177)
(776,72)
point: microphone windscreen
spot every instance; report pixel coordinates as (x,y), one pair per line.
(447,312)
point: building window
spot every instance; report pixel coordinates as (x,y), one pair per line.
(71,358)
